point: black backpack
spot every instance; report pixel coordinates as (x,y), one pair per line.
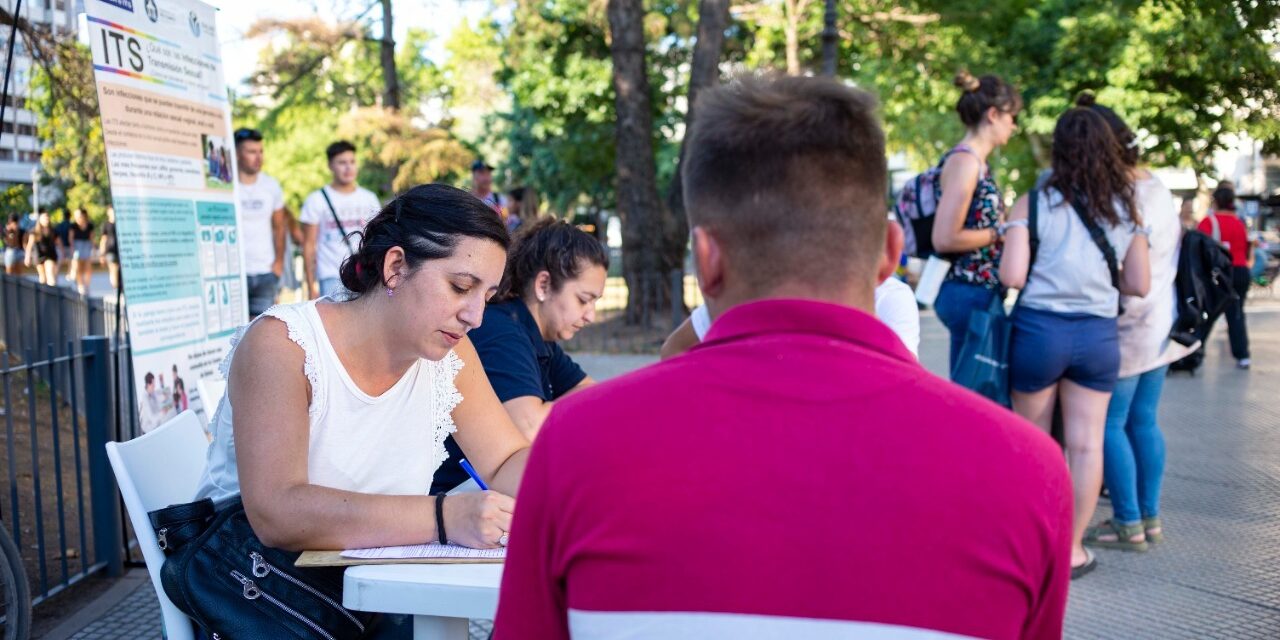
(1204,291)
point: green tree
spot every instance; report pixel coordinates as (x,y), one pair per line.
(321,81)
(65,102)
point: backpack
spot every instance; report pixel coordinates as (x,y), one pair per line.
(918,204)
(1203,286)
(915,209)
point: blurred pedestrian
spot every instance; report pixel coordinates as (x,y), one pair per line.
(14,243)
(80,237)
(971,205)
(262,220)
(1065,346)
(1227,228)
(1133,449)
(332,218)
(109,248)
(42,250)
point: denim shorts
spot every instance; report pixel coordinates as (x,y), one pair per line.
(1047,347)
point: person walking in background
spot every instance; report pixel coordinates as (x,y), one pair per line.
(1133,447)
(42,250)
(1227,228)
(63,230)
(1187,214)
(970,204)
(14,244)
(262,220)
(109,248)
(555,274)
(330,215)
(80,235)
(482,187)
(1064,347)
(663,504)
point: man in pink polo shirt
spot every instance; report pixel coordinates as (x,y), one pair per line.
(798,474)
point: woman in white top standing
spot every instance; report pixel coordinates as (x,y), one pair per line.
(1064,344)
(1133,450)
(340,409)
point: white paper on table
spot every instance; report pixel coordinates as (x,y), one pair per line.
(423,551)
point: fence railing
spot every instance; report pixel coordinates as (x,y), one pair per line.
(57,490)
(66,390)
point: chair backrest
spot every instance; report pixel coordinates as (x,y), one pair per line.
(154,471)
(211,391)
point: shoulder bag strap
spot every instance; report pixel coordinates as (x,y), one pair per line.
(1099,238)
(334,212)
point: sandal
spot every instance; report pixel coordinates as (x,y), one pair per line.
(1120,536)
(1154,537)
(1090,563)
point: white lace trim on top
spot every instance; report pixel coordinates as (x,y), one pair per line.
(447,398)
(299,334)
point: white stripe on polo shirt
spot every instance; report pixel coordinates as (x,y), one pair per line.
(652,625)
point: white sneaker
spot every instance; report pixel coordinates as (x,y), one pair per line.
(1243,364)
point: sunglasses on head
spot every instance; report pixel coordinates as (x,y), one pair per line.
(247,134)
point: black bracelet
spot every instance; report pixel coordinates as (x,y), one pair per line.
(444,539)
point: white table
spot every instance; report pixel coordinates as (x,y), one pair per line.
(440,597)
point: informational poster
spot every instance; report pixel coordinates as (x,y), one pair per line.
(167,126)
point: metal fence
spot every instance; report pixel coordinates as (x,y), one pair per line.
(66,393)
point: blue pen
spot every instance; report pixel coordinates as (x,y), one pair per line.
(466,466)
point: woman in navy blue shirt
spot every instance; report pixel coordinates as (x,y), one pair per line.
(555,274)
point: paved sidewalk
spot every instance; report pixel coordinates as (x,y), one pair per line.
(1217,576)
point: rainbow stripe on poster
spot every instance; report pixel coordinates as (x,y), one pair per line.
(140,34)
(140,76)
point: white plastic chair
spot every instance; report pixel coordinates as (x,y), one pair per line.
(211,391)
(153,471)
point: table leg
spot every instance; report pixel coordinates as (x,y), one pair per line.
(439,628)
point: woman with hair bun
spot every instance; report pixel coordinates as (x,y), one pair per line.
(555,274)
(337,409)
(970,205)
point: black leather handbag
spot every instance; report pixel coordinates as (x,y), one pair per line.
(236,588)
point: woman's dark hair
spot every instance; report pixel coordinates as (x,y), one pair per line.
(1224,199)
(550,245)
(426,222)
(1087,167)
(980,94)
(1128,140)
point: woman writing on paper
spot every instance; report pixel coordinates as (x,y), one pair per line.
(555,274)
(340,409)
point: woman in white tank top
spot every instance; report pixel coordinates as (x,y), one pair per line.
(336,411)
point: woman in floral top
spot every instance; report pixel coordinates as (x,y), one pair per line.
(970,207)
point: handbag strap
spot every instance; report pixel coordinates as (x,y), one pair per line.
(1099,238)
(334,212)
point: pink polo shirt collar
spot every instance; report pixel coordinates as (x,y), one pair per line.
(797,316)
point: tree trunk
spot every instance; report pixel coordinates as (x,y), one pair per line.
(791,28)
(647,257)
(829,36)
(713,19)
(390,79)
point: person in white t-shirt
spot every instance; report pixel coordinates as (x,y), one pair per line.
(895,306)
(330,216)
(262,220)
